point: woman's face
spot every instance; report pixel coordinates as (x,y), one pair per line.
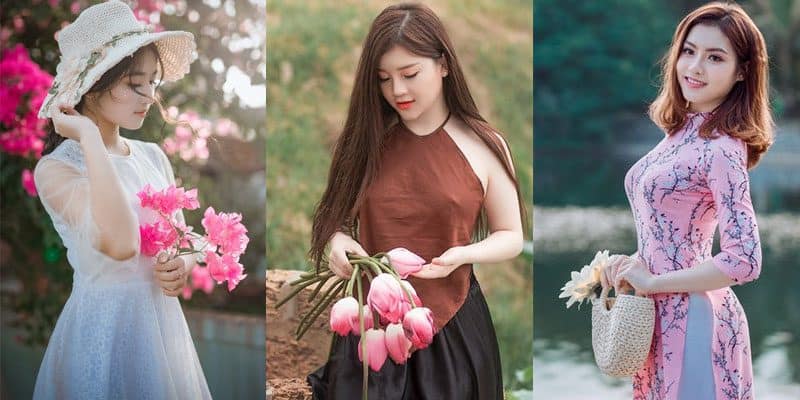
(707,68)
(411,84)
(127,102)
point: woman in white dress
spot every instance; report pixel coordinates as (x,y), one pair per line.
(122,333)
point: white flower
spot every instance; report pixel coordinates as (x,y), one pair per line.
(599,263)
(583,283)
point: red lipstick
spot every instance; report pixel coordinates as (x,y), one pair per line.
(404,105)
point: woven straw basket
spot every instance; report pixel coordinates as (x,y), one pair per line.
(621,332)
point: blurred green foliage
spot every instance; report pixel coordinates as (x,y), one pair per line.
(597,70)
(596,61)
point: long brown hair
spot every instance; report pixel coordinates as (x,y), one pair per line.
(108,80)
(357,153)
(745,112)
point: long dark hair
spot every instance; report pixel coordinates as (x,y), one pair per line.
(121,70)
(745,113)
(357,154)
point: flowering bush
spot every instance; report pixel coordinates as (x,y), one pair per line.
(191,135)
(23,87)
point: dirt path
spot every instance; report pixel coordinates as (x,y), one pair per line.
(290,360)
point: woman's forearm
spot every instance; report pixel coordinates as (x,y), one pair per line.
(499,246)
(116,224)
(700,278)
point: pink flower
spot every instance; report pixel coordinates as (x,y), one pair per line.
(397,344)
(23,87)
(156,237)
(226,127)
(235,272)
(355,328)
(386,297)
(404,261)
(216,268)
(344,317)
(201,279)
(225,268)
(190,138)
(184,198)
(406,305)
(226,231)
(419,328)
(188,240)
(376,348)
(169,200)
(19,23)
(187,292)
(343,312)
(407,285)
(28,183)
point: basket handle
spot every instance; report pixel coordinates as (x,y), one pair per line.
(604,297)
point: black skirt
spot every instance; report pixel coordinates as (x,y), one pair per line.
(463,362)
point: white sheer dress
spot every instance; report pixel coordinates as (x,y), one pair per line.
(118,336)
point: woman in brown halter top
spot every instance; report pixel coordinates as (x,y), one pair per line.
(416,166)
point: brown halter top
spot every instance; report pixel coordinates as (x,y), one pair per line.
(426,198)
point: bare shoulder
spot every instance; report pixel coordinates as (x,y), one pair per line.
(463,135)
(475,150)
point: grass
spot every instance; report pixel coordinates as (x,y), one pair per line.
(312,52)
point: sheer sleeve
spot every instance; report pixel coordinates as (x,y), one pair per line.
(64,191)
(728,180)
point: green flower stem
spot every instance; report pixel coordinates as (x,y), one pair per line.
(319,286)
(367,263)
(386,268)
(311,279)
(323,303)
(294,292)
(349,290)
(312,273)
(365,372)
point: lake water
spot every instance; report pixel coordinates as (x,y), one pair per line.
(565,238)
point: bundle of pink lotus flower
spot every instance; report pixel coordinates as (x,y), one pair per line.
(220,247)
(392,324)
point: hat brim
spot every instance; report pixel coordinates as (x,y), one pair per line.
(177,50)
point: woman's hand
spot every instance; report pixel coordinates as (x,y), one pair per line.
(637,275)
(445,264)
(172,274)
(609,275)
(70,124)
(341,244)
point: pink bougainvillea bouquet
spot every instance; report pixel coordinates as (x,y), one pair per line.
(168,236)
(391,324)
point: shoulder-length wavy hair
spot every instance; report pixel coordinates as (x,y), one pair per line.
(745,113)
(357,153)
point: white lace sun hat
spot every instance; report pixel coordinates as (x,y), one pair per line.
(101,37)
